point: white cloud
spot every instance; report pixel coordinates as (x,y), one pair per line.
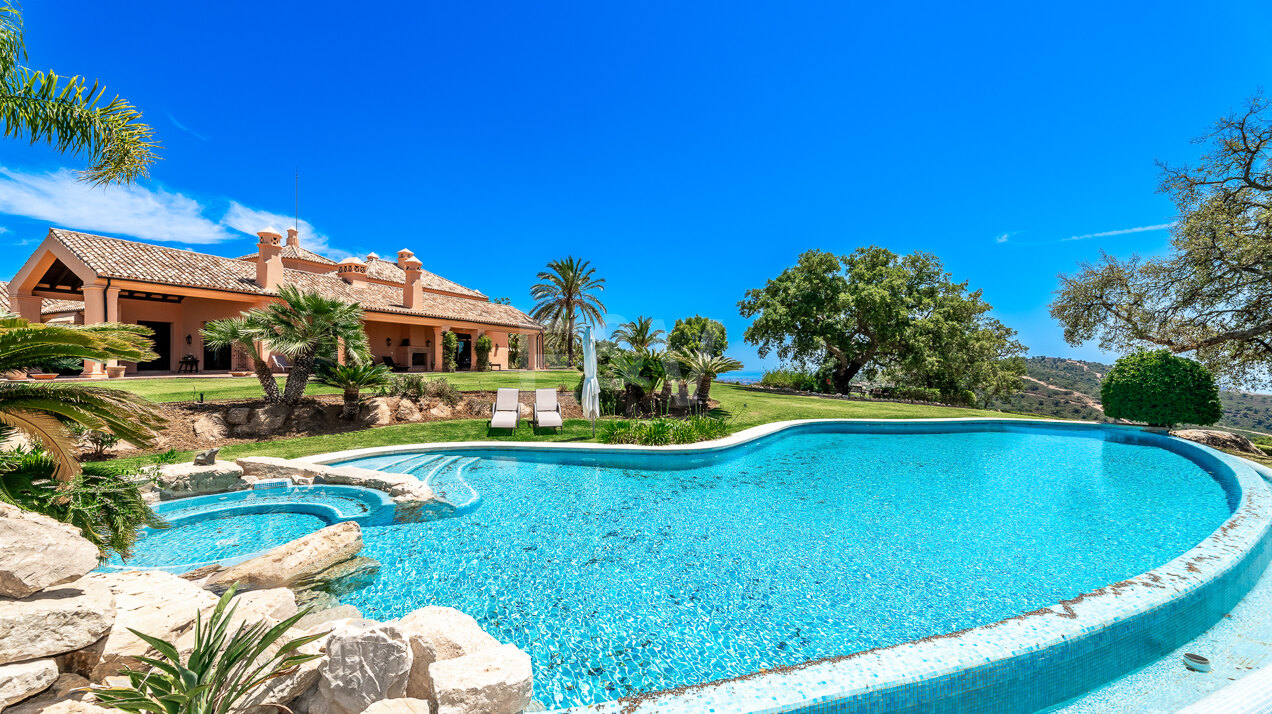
(150,214)
(250,220)
(1124,231)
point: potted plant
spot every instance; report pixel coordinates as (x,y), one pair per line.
(115,371)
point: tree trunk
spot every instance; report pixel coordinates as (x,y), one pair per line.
(569,342)
(350,410)
(297,379)
(266,377)
(704,391)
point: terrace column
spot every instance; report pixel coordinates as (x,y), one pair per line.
(94,313)
(112,314)
(27,307)
(438,352)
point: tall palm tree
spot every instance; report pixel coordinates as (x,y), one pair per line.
(304,326)
(705,367)
(69,114)
(565,297)
(639,335)
(43,410)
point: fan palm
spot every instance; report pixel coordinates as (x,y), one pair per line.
(352,379)
(304,326)
(43,410)
(639,334)
(566,297)
(69,114)
(704,367)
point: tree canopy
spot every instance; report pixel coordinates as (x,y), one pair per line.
(698,334)
(873,312)
(1211,295)
(1160,389)
(565,297)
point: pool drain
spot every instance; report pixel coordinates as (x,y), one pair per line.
(1196,662)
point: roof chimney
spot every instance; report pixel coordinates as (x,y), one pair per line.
(402,257)
(293,237)
(413,288)
(352,270)
(269,259)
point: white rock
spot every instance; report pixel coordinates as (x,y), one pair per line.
(210,427)
(39,552)
(158,604)
(492,681)
(441,411)
(60,619)
(398,706)
(439,633)
(321,620)
(181,480)
(376,412)
(366,662)
(294,561)
(277,604)
(407,410)
(25,679)
(1219,440)
(65,688)
(76,707)
(270,467)
(282,690)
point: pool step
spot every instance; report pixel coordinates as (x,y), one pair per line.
(447,481)
(408,465)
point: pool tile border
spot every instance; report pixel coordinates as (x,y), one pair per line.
(1020,664)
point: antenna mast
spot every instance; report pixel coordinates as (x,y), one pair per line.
(297,225)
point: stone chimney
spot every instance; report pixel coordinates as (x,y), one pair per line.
(413,288)
(352,270)
(403,256)
(293,237)
(269,259)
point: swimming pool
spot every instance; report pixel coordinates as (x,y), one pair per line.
(627,571)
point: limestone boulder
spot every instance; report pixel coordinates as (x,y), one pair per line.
(525,411)
(1220,440)
(308,417)
(152,602)
(60,619)
(436,634)
(398,706)
(282,690)
(320,620)
(23,680)
(72,706)
(270,467)
(366,662)
(407,410)
(376,412)
(292,562)
(210,427)
(344,577)
(276,604)
(237,416)
(182,480)
(491,681)
(66,688)
(265,421)
(39,552)
(441,411)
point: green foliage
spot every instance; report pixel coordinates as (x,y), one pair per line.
(69,114)
(483,347)
(450,345)
(103,502)
(220,671)
(698,334)
(564,298)
(639,335)
(1160,389)
(518,354)
(415,386)
(1211,295)
(442,389)
(790,378)
(660,432)
(705,367)
(351,379)
(98,442)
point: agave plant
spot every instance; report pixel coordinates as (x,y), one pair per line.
(219,672)
(352,379)
(705,367)
(44,410)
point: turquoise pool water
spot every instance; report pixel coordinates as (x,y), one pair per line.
(631,573)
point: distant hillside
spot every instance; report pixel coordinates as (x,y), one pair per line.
(1070,389)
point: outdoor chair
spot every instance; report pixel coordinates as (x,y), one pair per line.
(505,413)
(547,410)
(388,362)
(280,363)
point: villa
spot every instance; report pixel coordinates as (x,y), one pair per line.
(86,279)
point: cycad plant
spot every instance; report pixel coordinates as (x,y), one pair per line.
(44,410)
(351,379)
(704,367)
(566,297)
(69,114)
(219,673)
(303,326)
(639,335)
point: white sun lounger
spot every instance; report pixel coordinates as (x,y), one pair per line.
(504,414)
(547,410)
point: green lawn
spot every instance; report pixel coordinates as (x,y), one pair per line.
(185,389)
(742,407)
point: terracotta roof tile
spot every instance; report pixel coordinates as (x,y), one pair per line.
(145,262)
(295,252)
(382,269)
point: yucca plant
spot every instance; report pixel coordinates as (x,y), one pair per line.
(44,410)
(219,672)
(351,379)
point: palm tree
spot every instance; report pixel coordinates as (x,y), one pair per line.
(352,379)
(68,114)
(304,327)
(565,297)
(704,367)
(639,335)
(44,410)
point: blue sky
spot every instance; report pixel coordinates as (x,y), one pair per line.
(689,150)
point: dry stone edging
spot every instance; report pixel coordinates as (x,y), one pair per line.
(182,480)
(23,680)
(291,562)
(56,620)
(40,552)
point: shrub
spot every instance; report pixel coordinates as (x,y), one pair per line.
(790,378)
(1160,389)
(442,389)
(411,386)
(97,441)
(660,432)
(483,347)
(450,345)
